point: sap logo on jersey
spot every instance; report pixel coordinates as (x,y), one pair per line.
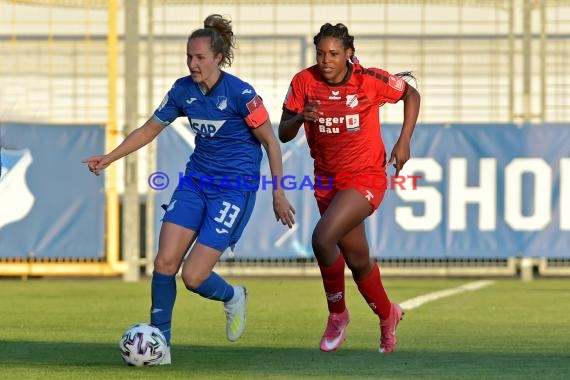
(206,128)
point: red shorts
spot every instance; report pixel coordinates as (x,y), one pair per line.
(373,195)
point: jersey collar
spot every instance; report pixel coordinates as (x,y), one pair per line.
(222,73)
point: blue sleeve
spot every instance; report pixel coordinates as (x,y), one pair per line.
(168,110)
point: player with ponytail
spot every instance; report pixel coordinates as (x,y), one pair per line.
(231,125)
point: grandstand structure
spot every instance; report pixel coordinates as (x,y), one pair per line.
(67,62)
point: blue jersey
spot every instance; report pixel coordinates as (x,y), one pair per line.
(226,150)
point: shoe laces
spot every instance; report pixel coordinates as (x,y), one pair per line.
(230,309)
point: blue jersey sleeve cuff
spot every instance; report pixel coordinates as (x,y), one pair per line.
(165,123)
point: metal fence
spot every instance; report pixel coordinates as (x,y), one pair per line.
(476,61)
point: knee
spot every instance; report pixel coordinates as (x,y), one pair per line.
(358,265)
(165,266)
(321,242)
(192,280)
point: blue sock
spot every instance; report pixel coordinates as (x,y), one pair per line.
(163,294)
(215,288)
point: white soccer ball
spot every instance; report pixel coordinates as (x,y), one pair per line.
(143,345)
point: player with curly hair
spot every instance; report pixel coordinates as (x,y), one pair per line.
(338,100)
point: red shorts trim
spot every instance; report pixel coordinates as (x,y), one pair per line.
(374,196)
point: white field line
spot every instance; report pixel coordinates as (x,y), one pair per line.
(419,301)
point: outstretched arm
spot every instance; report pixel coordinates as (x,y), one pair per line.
(281,206)
(134,141)
(401,151)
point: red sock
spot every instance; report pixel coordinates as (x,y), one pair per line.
(333,281)
(373,292)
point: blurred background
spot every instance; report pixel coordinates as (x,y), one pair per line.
(492,143)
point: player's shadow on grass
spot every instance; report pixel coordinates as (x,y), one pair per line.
(236,359)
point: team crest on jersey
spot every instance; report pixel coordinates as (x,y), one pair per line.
(206,128)
(352,123)
(351,101)
(222,103)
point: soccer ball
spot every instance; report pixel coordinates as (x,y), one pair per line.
(143,345)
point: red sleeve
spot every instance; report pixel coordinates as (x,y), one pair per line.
(388,88)
(295,98)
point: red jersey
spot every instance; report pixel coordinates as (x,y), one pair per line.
(346,138)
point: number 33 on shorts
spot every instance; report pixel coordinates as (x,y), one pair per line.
(227,217)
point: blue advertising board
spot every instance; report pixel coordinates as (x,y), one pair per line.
(50,205)
(470,191)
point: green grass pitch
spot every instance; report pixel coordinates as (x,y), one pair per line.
(69,329)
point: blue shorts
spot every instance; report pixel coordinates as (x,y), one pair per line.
(219,216)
